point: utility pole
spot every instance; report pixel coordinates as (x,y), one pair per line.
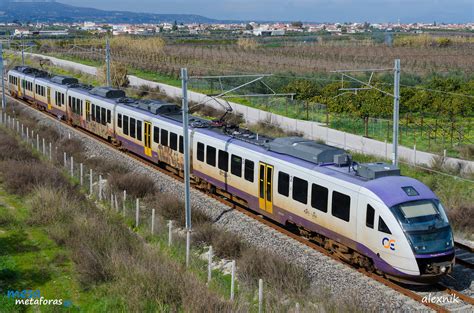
(187,198)
(184,79)
(396,110)
(4,97)
(368,86)
(107,60)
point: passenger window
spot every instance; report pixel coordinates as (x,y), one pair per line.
(300,190)
(319,197)
(132,127)
(139,130)
(181,144)
(164,137)
(249,170)
(223,160)
(236,165)
(370,216)
(283,184)
(383,227)
(97,114)
(119,121)
(341,205)
(102,115)
(125,125)
(200,152)
(93,109)
(211,156)
(173,141)
(156,134)
(108,115)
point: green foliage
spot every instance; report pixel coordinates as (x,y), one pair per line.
(304,89)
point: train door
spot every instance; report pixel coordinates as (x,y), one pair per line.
(88,110)
(266,187)
(48,94)
(148,139)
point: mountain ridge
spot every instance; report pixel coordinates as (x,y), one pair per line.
(52,11)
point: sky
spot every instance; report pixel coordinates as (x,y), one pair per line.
(301,10)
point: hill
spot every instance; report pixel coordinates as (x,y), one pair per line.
(51,11)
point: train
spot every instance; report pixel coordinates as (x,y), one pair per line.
(367,214)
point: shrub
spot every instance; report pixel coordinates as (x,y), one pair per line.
(225,245)
(105,166)
(21,177)
(12,150)
(137,185)
(278,273)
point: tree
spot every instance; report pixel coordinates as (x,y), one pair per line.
(298,24)
(175,26)
(304,89)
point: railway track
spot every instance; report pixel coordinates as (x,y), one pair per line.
(464,255)
(427,297)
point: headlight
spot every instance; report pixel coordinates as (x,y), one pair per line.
(443,269)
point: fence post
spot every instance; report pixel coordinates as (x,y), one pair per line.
(124,200)
(260,295)
(444,153)
(81,174)
(209,265)
(22,131)
(137,213)
(37,142)
(44,148)
(170,226)
(116,203)
(232,281)
(111,201)
(50,152)
(297,308)
(152,221)
(72,166)
(65,160)
(69,135)
(90,182)
(188,245)
(100,187)
(414,154)
(27,135)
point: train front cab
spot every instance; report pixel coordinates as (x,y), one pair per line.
(415,256)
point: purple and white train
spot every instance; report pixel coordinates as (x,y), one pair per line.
(367,214)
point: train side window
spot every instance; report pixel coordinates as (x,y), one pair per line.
(211,155)
(236,165)
(283,184)
(370,216)
(181,144)
(319,197)
(133,127)
(109,116)
(156,134)
(200,152)
(62,99)
(223,160)
(139,130)
(173,141)
(383,227)
(125,125)
(119,121)
(300,190)
(80,108)
(97,114)
(69,100)
(164,137)
(341,205)
(249,170)
(93,110)
(103,116)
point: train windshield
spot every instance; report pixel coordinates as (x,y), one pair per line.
(425,224)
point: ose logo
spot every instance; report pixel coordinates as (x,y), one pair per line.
(388,243)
